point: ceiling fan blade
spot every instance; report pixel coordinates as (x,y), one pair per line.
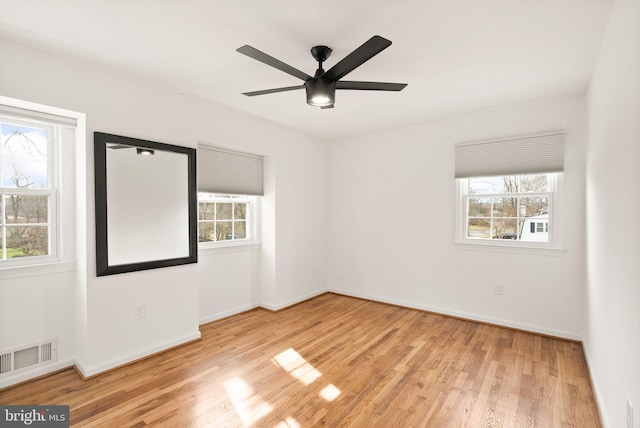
(370,86)
(329,106)
(118,146)
(272,91)
(368,50)
(269,60)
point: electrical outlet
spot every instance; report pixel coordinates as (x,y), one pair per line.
(139,312)
(629,414)
(499,289)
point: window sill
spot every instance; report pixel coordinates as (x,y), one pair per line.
(227,248)
(510,248)
(20,271)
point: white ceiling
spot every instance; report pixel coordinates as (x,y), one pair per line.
(456,55)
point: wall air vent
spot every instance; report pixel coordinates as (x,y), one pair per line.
(27,357)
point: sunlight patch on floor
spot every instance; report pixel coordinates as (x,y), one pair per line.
(289,423)
(249,406)
(296,366)
(330,392)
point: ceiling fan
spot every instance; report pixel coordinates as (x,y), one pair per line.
(321,88)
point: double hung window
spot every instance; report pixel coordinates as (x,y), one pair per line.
(508,207)
(225,217)
(28,190)
(508,191)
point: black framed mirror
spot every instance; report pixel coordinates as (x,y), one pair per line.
(146,204)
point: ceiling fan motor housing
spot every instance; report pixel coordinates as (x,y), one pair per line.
(320,92)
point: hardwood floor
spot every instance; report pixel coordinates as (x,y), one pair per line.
(337,361)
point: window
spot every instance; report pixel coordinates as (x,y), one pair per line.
(230,184)
(508,207)
(507,190)
(225,218)
(28,197)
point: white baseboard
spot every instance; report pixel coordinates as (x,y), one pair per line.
(88,370)
(277,307)
(465,315)
(596,390)
(36,372)
(228,313)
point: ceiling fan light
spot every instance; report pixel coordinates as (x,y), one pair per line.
(144,151)
(320,92)
(320,100)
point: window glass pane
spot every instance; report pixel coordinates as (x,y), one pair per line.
(224,211)
(508,184)
(240,211)
(23,156)
(25,241)
(531,206)
(26,209)
(206,232)
(486,185)
(505,207)
(240,229)
(505,228)
(206,210)
(223,230)
(479,228)
(479,207)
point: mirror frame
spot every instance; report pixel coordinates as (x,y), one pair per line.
(103,267)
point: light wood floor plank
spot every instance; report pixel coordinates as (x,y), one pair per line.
(337,361)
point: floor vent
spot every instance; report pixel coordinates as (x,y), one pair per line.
(26,357)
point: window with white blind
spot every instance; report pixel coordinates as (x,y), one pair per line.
(508,191)
(230,184)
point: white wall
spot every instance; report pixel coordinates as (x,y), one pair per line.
(391,224)
(612,315)
(176,298)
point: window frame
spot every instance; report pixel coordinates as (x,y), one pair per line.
(51,191)
(251,223)
(553,246)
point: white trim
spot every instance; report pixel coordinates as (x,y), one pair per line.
(231,247)
(26,375)
(228,313)
(91,370)
(465,315)
(596,390)
(274,307)
(505,247)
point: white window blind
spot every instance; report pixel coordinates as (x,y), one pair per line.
(229,171)
(526,154)
(37,115)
